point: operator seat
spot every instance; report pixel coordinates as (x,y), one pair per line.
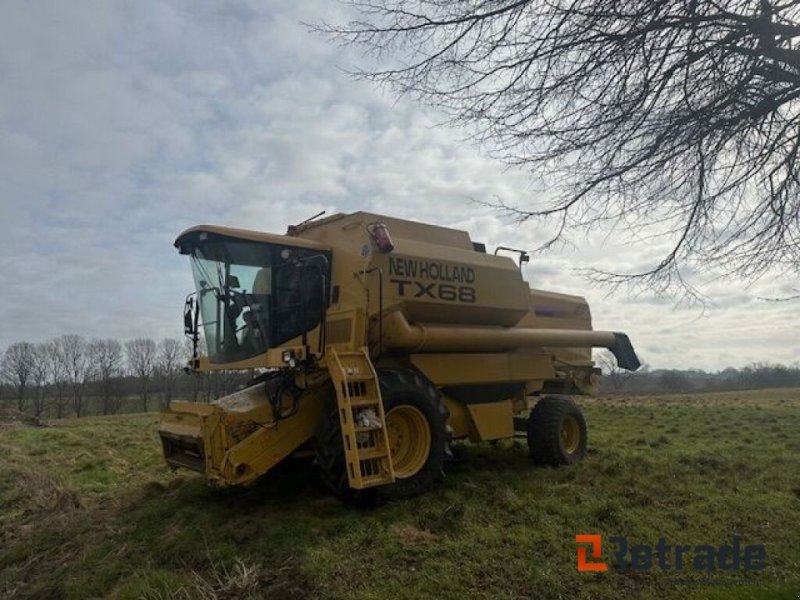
(255,333)
(262,283)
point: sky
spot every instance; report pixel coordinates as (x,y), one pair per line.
(123,123)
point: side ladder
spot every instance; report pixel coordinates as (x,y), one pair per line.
(366,446)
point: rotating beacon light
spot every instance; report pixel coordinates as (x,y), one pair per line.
(380,235)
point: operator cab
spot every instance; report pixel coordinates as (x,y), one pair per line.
(254,291)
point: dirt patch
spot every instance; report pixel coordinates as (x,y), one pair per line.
(154,489)
(411,534)
(11,418)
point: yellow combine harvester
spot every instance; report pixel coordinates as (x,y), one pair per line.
(381,340)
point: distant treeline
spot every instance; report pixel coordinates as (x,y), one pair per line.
(73,376)
(755,376)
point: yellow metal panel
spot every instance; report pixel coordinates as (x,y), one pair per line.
(271,359)
(181,409)
(346,328)
(215,442)
(267,446)
(492,421)
(443,284)
(482,368)
(339,330)
(180,427)
(551,310)
(460,420)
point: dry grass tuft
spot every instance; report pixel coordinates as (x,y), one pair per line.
(43,493)
(12,418)
(411,534)
(241,581)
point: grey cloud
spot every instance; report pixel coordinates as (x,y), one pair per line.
(124,123)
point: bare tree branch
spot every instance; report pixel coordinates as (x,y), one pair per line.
(678,118)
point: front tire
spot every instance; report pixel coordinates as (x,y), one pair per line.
(556,432)
(416,423)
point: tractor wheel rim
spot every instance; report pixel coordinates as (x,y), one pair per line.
(570,434)
(409,440)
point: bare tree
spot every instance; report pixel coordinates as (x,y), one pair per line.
(676,120)
(16,368)
(39,377)
(106,356)
(617,376)
(57,374)
(141,354)
(74,353)
(171,357)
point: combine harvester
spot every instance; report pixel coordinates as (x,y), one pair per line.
(381,340)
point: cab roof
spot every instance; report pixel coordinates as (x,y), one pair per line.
(192,235)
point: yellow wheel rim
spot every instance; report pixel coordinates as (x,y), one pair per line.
(409,440)
(570,434)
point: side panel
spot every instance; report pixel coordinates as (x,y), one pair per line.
(479,422)
(493,421)
(483,368)
(441,284)
(550,310)
(479,389)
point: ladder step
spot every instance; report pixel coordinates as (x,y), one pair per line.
(373,480)
(361,402)
(349,378)
(367,454)
(366,429)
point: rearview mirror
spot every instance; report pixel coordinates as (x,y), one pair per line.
(188,317)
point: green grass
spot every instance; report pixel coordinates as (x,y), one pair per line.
(88,509)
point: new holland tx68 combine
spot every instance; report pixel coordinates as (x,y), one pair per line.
(381,341)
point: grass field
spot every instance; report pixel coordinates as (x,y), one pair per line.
(88,509)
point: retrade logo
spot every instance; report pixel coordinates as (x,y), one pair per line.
(595,540)
(668,557)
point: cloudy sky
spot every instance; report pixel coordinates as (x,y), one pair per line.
(122,123)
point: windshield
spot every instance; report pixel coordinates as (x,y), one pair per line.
(254,295)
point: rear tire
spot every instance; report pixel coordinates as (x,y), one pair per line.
(556,432)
